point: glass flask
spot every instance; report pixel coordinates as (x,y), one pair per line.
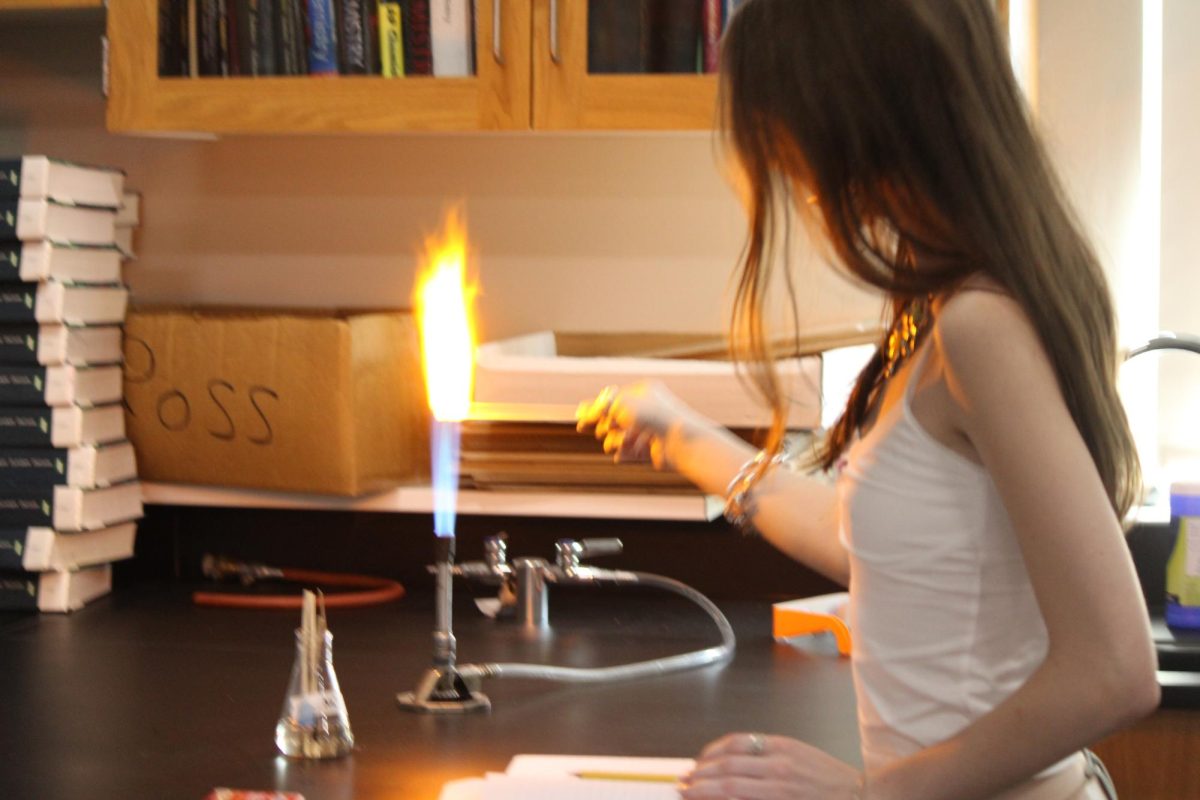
(313,722)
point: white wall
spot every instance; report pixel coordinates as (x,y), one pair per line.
(1090,95)
(1179,308)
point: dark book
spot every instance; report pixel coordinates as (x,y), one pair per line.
(83,467)
(71,303)
(352,32)
(44,178)
(673,35)
(617,36)
(42,549)
(53,344)
(59,386)
(172,38)
(322,38)
(267,13)
(371,37)
(38,261)
(70,426)
(54,591)
(208,38)
(68,508)
(286,38)
(418,37)
(243,48)
(352,29)
(29,220)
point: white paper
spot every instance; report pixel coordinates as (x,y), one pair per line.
(508,787)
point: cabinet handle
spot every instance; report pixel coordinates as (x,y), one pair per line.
(555,56)
(497,47)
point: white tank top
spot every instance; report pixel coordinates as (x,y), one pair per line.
(944,620)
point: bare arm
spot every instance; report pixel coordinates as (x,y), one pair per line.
(797,515)
(1099,672)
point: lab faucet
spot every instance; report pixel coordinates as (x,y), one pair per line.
(523,583)
(1167,340)
(523,586)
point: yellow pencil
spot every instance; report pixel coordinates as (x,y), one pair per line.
(627,776)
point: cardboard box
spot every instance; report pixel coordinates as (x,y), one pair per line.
(319,402)
(544,376)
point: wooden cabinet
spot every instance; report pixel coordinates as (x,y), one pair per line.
(1157,759)
(531,73)
(567,97)
(496,98)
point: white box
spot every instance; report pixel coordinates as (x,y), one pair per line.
(544,376)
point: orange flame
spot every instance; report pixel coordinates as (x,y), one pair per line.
(443,304)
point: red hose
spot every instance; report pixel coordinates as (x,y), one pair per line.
(374,591)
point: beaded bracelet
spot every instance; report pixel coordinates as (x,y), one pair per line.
(739,501)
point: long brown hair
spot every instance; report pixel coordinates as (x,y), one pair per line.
(903,120)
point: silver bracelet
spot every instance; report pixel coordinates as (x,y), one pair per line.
(739,499)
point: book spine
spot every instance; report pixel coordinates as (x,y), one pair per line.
(265,24)
(711,26)
(9,216)
(244,38)
(209,37)
(18,302)
(300,23)
(166,42)
(10,177)
(418,41)
(29,508)
(369,11)
(352,38)
(322,38)
(450,32)
(19,592)
(20,427)
(285,38)
(22,386)
(11,256)
(32,470)
(12,548)
(19,344)
(391,39)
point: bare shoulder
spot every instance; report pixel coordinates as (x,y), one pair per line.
(990,348)
(983,321)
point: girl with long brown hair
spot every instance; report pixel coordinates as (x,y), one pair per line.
(983,460)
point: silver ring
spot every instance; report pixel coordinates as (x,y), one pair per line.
(758,744)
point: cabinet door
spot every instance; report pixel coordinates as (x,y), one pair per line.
(568,96)
(496,97)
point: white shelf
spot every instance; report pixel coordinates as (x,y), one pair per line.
(419,500)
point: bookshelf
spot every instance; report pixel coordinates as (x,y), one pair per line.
(496,98)
(525,89)
(48,5)
(419,500)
